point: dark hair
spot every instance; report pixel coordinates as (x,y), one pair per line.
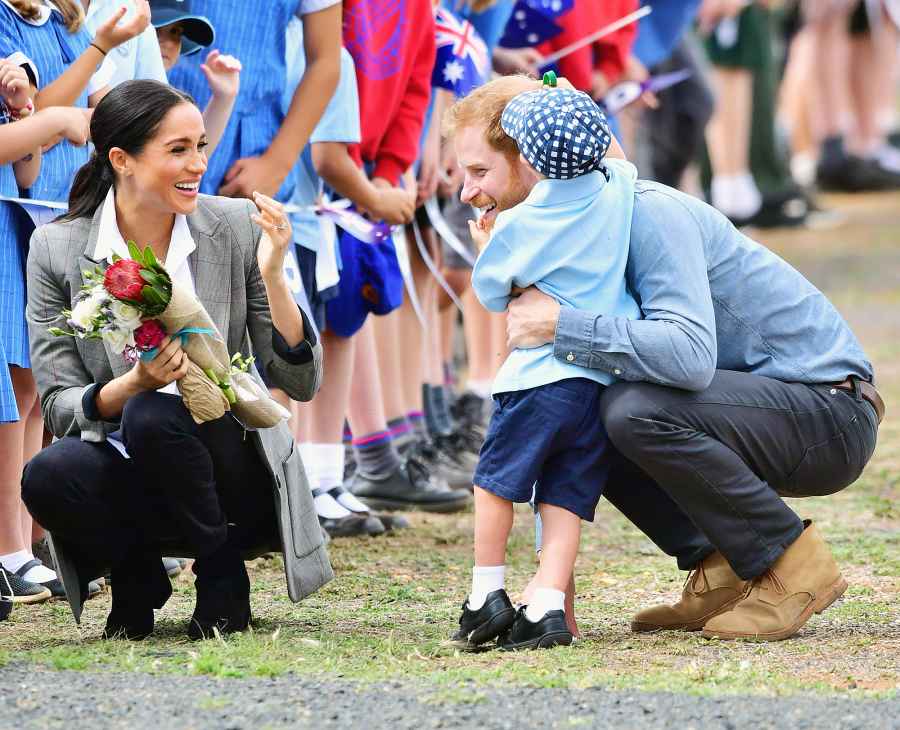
(127,117)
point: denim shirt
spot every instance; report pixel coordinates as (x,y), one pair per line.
(711,299)
(569,238)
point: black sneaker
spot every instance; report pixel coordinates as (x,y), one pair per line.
(54,585)
(471,412)
(440,462)
(550,631)
(352,525)
(16,589)
(853,174)
(486,624)
(410,487)
(6,594)
(462,448)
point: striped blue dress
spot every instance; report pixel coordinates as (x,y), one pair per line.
(13,335)
(258,40)
(51,48)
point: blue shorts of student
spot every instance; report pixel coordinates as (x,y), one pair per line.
(547,441)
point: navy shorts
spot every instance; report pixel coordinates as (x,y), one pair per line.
(549,438)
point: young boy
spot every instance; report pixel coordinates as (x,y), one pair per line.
(569,238)
(181,33)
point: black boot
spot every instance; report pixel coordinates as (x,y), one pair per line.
(223,595)
(139,585)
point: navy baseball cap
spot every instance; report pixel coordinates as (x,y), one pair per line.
(198,30)
(562,133)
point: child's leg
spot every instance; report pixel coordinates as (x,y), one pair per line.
(493,522)
(561,536)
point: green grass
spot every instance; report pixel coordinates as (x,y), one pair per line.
(396,598)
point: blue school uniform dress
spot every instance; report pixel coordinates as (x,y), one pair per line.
(257,39)
(50,48)
(10,278)
(569,238)
(13,330)
(339,123)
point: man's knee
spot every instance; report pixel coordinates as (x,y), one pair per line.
(624,409)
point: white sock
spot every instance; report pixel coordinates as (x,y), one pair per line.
(480,388)
(736,195)
(311,464)
(331,463)
(485,579)
(38,574)
(544,600)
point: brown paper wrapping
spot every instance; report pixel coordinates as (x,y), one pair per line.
(203,398)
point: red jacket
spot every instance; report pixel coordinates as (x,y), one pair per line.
(607,55)
(392,44)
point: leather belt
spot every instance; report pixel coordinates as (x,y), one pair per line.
(866,391)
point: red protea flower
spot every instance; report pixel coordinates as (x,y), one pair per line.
(149,335)
(123,280)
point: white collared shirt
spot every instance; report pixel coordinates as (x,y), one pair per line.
(181,246)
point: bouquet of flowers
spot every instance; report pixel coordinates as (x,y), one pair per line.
(134,304)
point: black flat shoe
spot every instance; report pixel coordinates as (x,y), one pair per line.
(485,624)
(139,585)
(352,525)
(550,631)
(132,626)
(223,597)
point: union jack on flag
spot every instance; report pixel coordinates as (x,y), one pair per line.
(462,59)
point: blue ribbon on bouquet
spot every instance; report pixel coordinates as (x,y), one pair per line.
(182,334)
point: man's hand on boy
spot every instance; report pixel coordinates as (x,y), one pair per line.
(531,319)
(15,87)
(223,74)
(251,174)
(111,34)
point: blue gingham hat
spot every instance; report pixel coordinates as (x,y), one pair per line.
(562,133)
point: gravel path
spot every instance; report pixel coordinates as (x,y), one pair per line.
(35,698)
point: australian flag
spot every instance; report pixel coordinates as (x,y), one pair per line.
(462,58)
(551,8)
(532,23)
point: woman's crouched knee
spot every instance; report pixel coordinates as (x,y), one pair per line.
(42,479)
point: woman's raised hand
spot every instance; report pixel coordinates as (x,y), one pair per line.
(170,364)
(276,238)
(111,34)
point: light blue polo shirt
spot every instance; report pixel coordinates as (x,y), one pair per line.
(138,58)
(569,238)
(339,123)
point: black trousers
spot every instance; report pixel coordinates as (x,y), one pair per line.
(675,130)
(704,471)
(204,487)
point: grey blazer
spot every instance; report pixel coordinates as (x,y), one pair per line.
(228,283)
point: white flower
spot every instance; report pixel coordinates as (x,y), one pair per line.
(125,316)
(86,310)
(117,338)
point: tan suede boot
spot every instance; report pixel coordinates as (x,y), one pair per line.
(805,579)
(711,588)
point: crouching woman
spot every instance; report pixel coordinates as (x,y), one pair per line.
(132,472)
